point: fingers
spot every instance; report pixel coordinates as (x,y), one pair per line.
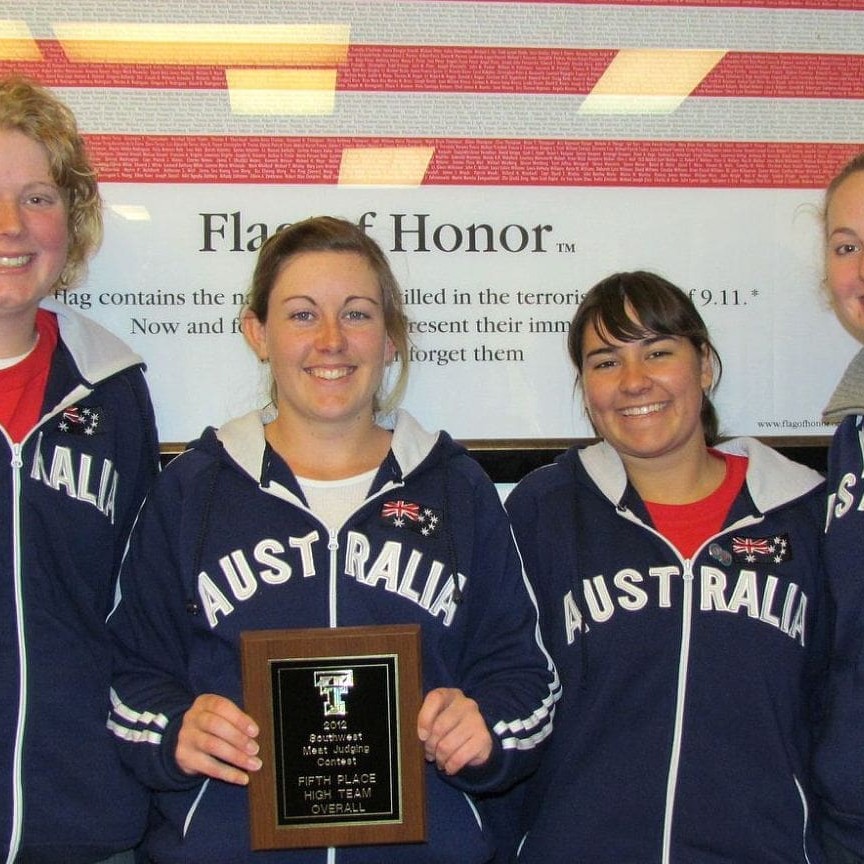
(452,730)
(218,740)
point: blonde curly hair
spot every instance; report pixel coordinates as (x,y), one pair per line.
(35,112)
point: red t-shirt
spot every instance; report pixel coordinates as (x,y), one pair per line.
(22,386)
(689,525)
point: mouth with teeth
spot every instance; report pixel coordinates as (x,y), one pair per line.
(330,374)
(643,410)
(15,261)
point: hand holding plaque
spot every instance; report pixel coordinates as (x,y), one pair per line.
(341,761)
(205,747)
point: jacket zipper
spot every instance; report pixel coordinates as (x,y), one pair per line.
(680,701)
(18,792)
(333,546)
(333,549)
(806,812)
(17,463)
(683,661)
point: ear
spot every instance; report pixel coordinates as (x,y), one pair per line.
(389,351)
(706,375)
(255,334)
(586,408)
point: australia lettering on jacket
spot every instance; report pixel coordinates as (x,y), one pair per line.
(398,568)
(65,469)
(762,597)
(847,498)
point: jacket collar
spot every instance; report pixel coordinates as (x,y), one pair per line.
(96,353)
(772,479)
(243,440)
(848,397)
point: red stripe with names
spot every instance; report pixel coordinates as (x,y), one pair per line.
(465,69)
(473,162)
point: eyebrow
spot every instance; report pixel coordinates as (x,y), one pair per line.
(604,349)
(49,182)
(352,297)
(842,229)
(653,339)
(349,299)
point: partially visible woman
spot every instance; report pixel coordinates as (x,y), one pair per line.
(80,449)
(313,513)
(681,598)
(840,755)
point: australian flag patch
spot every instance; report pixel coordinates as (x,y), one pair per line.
(76,420)
(765,550)
(414,517)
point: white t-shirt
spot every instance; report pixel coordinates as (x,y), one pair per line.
(333,501)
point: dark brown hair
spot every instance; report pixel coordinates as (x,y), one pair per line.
(657,307)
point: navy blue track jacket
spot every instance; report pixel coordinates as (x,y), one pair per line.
(226,543)
(69,494)
(690,686)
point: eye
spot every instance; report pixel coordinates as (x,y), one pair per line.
(39,199)
(846,249)
(357,315)
(301,315)
(604,364)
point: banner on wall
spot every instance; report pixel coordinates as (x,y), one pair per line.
(506,156)
(490,284)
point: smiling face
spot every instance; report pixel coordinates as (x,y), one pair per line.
(34,235)
(325,338)
(644,396)
(844,253)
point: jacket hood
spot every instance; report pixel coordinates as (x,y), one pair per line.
(848,398)
(242,440)
(97,352)
(772,479)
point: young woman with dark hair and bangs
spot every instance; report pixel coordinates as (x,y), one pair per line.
(682,600)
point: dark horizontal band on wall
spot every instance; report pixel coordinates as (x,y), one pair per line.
(510,461)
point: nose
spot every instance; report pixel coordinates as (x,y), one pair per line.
(330,334)
(10,218)
(634,377)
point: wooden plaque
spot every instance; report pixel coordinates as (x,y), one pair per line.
(337,708)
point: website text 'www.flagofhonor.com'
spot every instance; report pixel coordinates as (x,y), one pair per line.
(790,425)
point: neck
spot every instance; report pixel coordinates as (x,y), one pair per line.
(18,335)
(324,452)
(679,478)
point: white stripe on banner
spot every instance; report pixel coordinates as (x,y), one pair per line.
(454,115)
(569,25)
